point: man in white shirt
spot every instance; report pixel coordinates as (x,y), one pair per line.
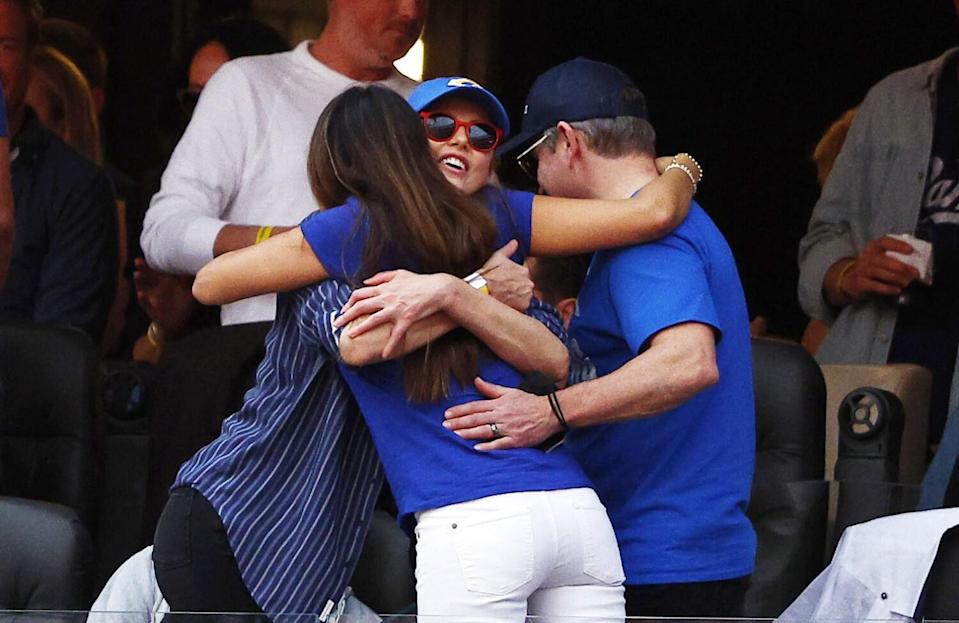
(240,167)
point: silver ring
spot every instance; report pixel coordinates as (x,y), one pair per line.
(495,430)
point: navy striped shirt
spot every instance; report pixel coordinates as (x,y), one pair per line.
(294,475)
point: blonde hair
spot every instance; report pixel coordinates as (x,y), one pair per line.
(69,100)
(829,146)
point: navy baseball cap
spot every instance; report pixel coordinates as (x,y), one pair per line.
(576,90)
(437,88)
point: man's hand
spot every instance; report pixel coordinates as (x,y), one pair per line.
(523,420)
(398,297)
(165,298)
(875,273)
(508,282)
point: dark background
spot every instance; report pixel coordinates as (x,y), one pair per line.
(748,86)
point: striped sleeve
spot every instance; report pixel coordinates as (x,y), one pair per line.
(321,307)
(549,316)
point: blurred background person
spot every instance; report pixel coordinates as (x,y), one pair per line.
(824,157)
(77,43)
(225,40)
(166,298)
(61,97)
(63,40)
(64,262)
(897,173)
(829,146)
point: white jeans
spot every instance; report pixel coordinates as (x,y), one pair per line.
(548,553)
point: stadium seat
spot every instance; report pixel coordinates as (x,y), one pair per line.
(789,496)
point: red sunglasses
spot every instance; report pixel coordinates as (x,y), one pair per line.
(441,127)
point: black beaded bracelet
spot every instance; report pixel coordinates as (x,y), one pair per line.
(557,410)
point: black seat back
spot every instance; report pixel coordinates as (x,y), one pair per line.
(45,560)
(789,498)
(790,413)
(48,411)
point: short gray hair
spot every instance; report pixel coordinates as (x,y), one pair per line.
(613,137)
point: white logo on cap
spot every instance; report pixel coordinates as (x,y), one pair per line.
(525,109)
(463,82)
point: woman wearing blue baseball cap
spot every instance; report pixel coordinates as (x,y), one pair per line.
(499,534)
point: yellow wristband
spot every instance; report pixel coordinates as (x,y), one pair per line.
(263,233)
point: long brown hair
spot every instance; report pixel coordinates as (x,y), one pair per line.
(369,143)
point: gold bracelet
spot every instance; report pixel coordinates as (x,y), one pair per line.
(842,275)
(154,336)
(263,233)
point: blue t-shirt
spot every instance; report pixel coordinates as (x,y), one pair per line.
(427,465)
(676,485)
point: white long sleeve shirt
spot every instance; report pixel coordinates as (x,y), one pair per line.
(242,161)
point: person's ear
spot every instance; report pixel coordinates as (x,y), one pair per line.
(571,141)
(566,308)
(99,100)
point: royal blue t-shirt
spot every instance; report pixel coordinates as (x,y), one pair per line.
(428,466)
(676,485)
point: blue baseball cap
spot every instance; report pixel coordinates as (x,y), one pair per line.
(576,90)
(432,90)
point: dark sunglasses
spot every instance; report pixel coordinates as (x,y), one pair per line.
(528,161)
(441,127)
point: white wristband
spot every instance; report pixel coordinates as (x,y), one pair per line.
(477,281)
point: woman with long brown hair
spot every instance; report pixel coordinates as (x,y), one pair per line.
(474,513)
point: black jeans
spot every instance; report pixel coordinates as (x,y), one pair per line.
(194,564)
(720,599)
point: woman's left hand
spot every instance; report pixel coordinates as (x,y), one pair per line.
(398,297)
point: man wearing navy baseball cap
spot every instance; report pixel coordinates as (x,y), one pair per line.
(663,422)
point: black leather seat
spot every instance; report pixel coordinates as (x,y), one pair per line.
(46,557)
(48,412)
(48,406)
(789,496)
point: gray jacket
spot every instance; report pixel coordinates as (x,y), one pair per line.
(875,188)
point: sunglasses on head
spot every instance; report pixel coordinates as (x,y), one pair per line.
(441,127)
